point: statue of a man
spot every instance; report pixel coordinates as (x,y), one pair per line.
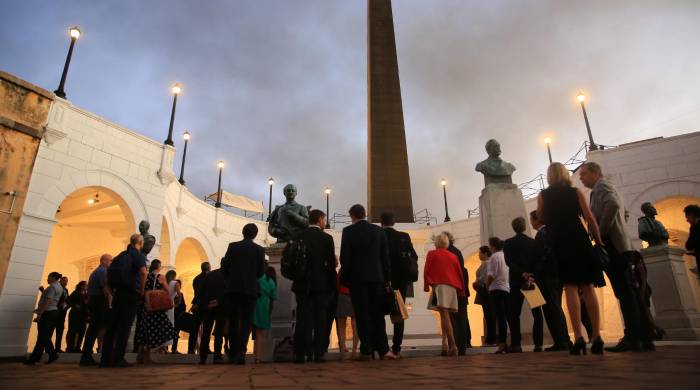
(651,230)
(148,239)
(288,219)
(494,169)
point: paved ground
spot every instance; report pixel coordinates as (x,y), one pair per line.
(668,368)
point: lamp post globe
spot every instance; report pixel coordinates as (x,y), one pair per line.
(443,183)
(220,164)
(186,137)
(74,35)
(327,191)
(270,182)
(581,98)
(547,141)
(176,89)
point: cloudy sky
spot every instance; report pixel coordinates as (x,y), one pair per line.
(278,87)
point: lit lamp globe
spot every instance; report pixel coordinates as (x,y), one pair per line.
(547,140)
(443,182)
(327,191)
(186,136)
(271,181)
(220,164)
(176,89)
(74,32)
(581,97)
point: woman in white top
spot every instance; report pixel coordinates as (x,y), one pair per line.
(172,290)
(497,283)
(482,296)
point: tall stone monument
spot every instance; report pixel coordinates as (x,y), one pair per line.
(388,181)
(501,201)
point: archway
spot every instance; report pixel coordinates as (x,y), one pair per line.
(188,259)
(92,221)
(164,253)
(671,215)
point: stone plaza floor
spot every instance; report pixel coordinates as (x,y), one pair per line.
(671,367)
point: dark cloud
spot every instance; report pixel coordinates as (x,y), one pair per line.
(278,88)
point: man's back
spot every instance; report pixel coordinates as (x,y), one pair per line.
(212,286)
(242,265)
(608,209)
(398,242)
(320,254)
(364,254)
(520,253)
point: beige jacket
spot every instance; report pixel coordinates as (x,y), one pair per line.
(609,211)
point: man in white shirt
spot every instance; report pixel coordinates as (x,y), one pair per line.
(498,284)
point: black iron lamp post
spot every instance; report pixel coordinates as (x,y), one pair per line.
(270,182)
(443,182)
(581,97)
(548,141)
(186,137)
(218,191)
(176,91)
(328,208)
(74,35)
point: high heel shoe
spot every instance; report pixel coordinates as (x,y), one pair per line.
(578,347)
(597,346)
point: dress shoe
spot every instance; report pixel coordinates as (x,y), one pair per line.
(625,345)
(52,358)
(87,362)
(557,348)
(515,349)
(218,359)
(579,347)
(537,349)
(29,362)
(319,358)
(648,346)
(122,364)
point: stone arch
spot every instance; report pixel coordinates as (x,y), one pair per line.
(92,178)
(181,233)
(661,191)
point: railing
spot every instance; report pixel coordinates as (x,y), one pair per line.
(339,219)
(475,212)
(424,216)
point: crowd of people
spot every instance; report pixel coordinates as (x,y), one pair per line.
(375,262)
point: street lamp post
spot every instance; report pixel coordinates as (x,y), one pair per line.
(271,182)
(443,182)
(74,35)
(581,97)
(186,137)
(328,209)
(176,91)
(548,141)
(218,191)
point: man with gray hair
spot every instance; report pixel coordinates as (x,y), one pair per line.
(608,208)
(98,304)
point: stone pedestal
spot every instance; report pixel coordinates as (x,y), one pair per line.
(499,204)
(674,304)
(283,309)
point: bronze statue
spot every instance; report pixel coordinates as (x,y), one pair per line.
(288,219)
(494,169)
(651,230)
(148,239)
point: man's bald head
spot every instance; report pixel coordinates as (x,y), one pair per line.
(136,240)
(106,259)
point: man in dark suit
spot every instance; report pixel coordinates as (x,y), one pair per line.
(460,318)
(401,279)
(692,245)
(196,284)
(523,264)
(209,301)
(314,291)
(366,270)
(243,265)
(548,281)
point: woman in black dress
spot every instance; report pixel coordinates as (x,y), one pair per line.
(155,329)
(561,207)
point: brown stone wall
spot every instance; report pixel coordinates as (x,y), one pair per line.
(24,111)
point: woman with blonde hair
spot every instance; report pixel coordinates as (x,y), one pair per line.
(443,274)
(561,207)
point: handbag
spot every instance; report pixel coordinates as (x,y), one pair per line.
(600,257)
(482,296)
(187,322)
(158,300)
(400,314)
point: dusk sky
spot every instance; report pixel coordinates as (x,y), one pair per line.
(279,87)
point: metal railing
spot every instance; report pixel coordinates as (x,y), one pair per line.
(424,216)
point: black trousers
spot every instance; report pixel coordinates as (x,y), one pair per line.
(46,327)
(499,300)
(553,313)
(76,332)
(311,331)
(515,305)
(241,308)
(124,305)
(98,307)
(212,320)
(330,312)
(371,328)
(397,338)
(637,328)
(489,319)
(60,327)
(192,338)
(460,325)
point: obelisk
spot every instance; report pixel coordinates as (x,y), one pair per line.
(388,181)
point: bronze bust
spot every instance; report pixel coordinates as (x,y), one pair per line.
(651,230)
(148,239)
(288,219)
(494,169)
